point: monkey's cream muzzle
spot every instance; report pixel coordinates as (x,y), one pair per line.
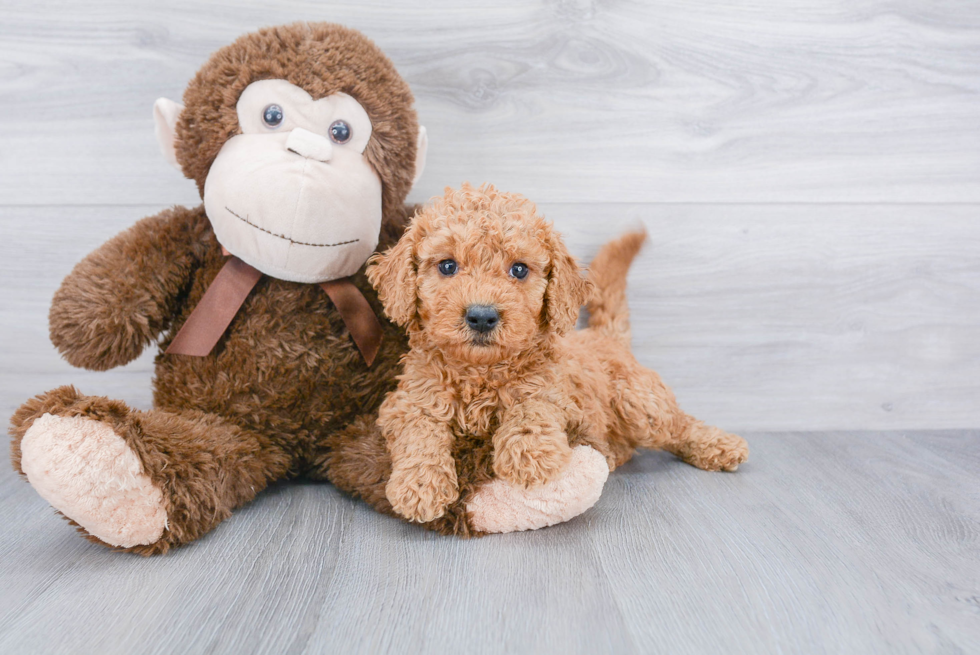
(289,200)
(291,216)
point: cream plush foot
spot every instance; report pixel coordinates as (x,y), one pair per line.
(501,507)
(88,473)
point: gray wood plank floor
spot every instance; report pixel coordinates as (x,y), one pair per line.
(822,543)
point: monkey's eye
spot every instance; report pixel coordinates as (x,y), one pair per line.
(340,132)
(448,267)
(272,116)
(519,271)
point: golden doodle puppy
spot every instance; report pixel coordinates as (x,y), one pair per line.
(490,298)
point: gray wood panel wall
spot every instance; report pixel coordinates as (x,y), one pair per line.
(809,172)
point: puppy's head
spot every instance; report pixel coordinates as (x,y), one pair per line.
(482,275)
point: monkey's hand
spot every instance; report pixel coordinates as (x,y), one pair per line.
(121,296)
(422,492)
(530,448)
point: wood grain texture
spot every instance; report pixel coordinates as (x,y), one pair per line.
(761,317)
(566,101)
(822,543)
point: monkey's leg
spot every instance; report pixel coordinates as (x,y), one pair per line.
(498,506)
(357,461)
(138,481)
(651,418)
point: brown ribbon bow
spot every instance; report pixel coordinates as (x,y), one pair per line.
(227,293)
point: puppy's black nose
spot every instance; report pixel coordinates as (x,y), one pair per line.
(482,318)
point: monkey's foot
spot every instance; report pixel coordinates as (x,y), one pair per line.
(499,506)
(88,473)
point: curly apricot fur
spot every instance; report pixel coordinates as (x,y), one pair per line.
(525,386)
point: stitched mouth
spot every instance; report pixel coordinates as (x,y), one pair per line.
(285,238)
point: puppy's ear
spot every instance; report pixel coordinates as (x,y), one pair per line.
(394,273)
(567,290)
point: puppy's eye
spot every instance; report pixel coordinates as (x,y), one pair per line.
(340,132)
(448,267)
(272,116)
(519,271)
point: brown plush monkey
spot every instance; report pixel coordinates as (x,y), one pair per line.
(304,144)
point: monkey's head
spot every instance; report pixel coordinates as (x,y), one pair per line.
(301,139)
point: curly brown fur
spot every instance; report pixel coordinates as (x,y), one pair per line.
(205,466)
(286,373)
(525,387)
(105,312)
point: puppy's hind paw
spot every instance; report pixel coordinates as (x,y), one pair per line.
(717,450)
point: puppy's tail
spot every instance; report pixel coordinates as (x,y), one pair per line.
(608,310)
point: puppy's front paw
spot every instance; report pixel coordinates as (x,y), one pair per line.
(422,492)
(529,457)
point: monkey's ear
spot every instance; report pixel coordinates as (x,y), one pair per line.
(165,114)
(394,275)
(567,290)
(421,149)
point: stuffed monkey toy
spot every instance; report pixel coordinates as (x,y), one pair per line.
(274,355)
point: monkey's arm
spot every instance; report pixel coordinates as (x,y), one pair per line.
(123,294)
